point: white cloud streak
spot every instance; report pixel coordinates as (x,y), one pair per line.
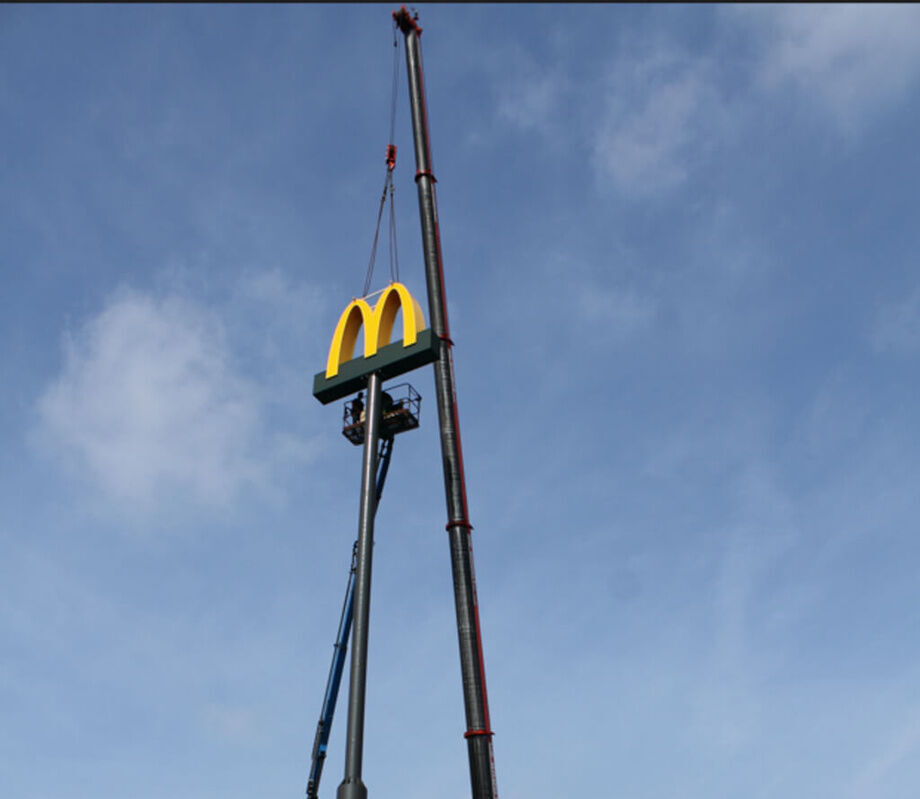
(663,113)
(529,95)
(620,312)
(896,327)
(904,742)
(852,58)
(660,111)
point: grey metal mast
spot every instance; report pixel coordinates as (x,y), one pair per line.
(352,786)
(478,733)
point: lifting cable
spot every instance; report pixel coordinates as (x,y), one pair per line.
(388,188)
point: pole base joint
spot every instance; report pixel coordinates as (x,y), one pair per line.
(353,788)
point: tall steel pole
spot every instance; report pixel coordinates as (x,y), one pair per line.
(479,732)
(352,786)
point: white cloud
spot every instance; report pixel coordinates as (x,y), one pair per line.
(852,58)
(903,743)
(149,405)
(529,96)
(620,311)
(896,327)
(661,110)
(231,723)
(665,111)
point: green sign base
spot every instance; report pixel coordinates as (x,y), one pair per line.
(391,360)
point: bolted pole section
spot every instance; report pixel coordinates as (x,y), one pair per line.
(479,732)
(352,786)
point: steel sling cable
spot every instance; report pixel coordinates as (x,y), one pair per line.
(388,187)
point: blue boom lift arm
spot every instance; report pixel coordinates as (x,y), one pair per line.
(324,726)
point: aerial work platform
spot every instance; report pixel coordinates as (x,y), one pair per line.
(400,412)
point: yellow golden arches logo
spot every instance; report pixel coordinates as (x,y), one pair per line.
(378,325)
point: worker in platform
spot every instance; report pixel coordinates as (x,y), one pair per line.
(357,409)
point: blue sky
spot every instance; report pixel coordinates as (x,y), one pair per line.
(681,255)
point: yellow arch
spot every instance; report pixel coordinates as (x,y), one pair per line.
(394,297)
(378,325)
(356,313)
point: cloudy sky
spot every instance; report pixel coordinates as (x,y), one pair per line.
(681,249)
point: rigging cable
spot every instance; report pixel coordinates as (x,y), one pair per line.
(388,187)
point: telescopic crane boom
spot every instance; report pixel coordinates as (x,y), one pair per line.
(478,732)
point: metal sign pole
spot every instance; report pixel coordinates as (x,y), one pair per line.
(478,733)
(352,786)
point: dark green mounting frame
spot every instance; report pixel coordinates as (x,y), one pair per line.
(390,361)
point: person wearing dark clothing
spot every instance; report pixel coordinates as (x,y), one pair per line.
(387,402)
(357,409)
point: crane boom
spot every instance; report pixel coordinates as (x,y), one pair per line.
(478,733)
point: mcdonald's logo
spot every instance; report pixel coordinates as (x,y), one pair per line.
(346,373)
(378,325)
